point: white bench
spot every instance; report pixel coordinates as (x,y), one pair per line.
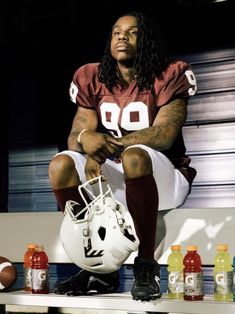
(204,227)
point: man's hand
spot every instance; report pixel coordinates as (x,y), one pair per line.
(100,145)
(93,169)
(118,148)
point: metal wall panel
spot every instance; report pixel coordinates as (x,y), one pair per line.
(209,129)
(214,169)
(215,77)
(210,56)
(211,196)
(210,138)
(29,186)
(32,201)
(32,155)
(29,178)
(207,108)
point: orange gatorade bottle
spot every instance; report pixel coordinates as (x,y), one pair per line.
(28,266)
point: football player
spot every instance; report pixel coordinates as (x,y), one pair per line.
(131,108)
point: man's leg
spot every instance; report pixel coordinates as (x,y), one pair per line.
(142,202)
(64,180)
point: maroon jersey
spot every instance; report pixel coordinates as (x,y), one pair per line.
(126,109)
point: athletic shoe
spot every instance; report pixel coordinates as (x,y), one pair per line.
(86,282)
(147,280)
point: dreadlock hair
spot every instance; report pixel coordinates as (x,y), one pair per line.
(150,58)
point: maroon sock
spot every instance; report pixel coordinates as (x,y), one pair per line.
(142,202)
(66,194)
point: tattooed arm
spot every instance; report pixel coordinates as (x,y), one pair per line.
(95,144)
(167,125)
(84,119)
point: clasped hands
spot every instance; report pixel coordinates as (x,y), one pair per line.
(98,147)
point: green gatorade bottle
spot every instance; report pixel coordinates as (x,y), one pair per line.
(175,273)
(223,274)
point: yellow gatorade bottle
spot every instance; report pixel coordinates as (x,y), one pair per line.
(175,273)
(223,274)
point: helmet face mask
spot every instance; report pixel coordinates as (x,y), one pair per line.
(100,236)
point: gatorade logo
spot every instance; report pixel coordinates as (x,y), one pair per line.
(219,278)
(189,280)
(42,275)
(173,277)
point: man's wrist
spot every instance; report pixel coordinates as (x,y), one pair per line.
(80,134)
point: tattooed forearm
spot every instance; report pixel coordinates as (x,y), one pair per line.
(175,113)
(84,119)
(154,137)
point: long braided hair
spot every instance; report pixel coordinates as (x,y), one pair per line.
(150,58)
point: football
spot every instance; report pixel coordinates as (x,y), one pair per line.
(8,273)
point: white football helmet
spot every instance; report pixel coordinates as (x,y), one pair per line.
(100,236)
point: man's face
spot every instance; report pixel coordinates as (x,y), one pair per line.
(124,39)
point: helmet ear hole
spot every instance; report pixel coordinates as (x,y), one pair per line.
(102,233)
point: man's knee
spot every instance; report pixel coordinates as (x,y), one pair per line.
(136,162)
(61,169)
(61,164)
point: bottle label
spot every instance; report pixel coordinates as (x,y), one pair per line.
(175,282)
(193,284)
(28,277)
(223,282)
(39,279)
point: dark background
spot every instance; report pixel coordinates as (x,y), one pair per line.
(43,42)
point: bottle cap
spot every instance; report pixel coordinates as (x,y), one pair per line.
(39,248)
(176,247)
(31,245)
(192,248)
(222,247)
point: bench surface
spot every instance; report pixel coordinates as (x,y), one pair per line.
(119,301)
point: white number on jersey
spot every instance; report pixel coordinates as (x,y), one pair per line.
(73,90)
(111,110)
(192,80)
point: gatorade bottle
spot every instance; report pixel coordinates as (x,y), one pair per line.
(193,276)
(28,266)
(223,274)
(175,273)
(40,271)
